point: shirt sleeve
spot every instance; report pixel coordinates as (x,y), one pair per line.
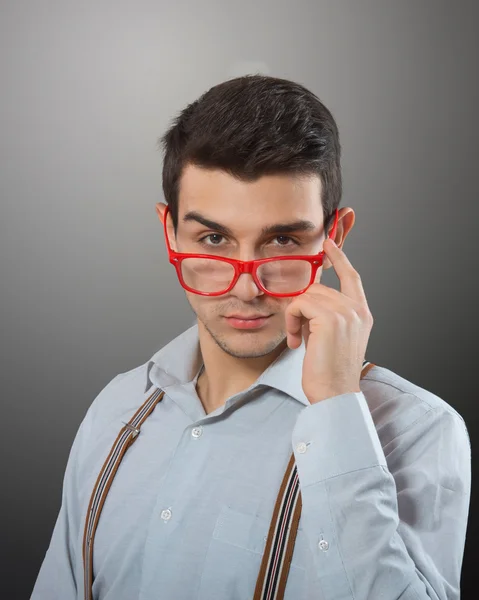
(390,529)
(57,578)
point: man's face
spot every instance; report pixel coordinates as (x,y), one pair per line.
(245,209)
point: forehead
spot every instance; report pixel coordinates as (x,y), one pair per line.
(241,204)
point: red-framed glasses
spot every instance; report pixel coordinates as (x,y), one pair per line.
(279,276)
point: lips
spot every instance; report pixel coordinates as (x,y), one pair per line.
(247,317)
(252,322)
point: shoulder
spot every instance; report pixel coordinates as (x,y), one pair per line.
(398,405)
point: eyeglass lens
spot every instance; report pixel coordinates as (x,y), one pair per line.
(278,276)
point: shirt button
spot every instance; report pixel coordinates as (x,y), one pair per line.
(323,545)
(197,431)
(301,448)
(166,514)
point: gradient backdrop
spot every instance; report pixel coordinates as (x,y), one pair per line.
(86,291)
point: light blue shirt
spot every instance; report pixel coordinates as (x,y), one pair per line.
(385,484)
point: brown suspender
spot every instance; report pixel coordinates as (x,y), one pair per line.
(126,437)
(274,569)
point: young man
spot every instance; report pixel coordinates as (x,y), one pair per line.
(275,369)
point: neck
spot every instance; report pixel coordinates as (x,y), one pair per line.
(224,375)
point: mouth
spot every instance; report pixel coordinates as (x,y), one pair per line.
(250,322)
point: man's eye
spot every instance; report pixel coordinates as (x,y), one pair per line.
(210,235)
(285,237)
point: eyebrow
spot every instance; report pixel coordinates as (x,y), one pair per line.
(295,226)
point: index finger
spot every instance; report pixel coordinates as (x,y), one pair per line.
(350,282)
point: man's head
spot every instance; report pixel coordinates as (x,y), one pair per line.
(251,152)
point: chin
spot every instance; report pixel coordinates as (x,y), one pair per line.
(245,344)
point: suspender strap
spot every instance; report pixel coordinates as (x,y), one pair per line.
(125,439)
(278,552)
(274,569)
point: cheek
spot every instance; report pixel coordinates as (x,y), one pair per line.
(202,304)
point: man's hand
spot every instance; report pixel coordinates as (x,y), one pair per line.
(336,327)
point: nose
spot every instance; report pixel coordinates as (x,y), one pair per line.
(245,288)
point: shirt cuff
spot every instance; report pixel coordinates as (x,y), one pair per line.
(335,436)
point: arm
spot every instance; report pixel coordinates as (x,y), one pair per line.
(56,579)
(396,529)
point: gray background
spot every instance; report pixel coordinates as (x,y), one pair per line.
(86,291)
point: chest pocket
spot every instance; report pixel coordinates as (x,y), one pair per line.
(234,556)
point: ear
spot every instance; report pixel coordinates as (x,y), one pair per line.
(160,210)
(346,218)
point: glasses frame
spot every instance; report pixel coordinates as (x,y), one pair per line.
(245,266)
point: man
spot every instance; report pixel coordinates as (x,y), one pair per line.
(273,368)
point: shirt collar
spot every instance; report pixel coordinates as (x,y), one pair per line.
(180,361)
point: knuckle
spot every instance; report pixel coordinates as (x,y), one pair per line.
(365,314)
(356,275)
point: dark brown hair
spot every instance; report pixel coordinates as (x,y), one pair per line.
(252,126)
